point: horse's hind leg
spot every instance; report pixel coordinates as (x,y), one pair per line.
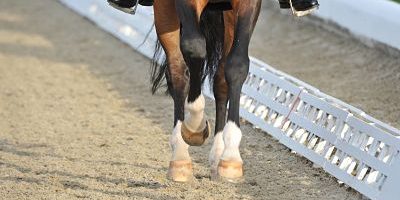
(167,27)
(221,95)
(195,128)
(236,70)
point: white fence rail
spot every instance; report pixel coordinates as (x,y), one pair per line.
(350,145)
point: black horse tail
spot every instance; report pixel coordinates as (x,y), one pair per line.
(159,67)
(212,28)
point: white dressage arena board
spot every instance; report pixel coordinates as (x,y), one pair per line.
(354,147)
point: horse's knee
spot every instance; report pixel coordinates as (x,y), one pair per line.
(236,69)
(194,47)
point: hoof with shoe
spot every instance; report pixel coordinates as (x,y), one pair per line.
(195,138)
(231,171)
(180,171)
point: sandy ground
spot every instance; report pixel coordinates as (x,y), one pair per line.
(77,120)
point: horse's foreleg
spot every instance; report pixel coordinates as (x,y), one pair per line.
(195,128)
(236,70)
(193,44)
(167,27)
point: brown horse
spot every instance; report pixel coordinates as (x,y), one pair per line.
(203,38)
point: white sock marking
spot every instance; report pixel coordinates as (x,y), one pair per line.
(180,150)
(216,150)
(195,120)
(232,136)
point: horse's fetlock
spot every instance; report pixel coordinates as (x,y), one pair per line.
(195,138)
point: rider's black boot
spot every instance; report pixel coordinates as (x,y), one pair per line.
(299,5)
(128,6)
(146,2)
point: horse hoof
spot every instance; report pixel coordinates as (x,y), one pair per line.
(195,139)
(231,171)
(180,170)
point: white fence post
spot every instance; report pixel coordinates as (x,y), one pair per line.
(391,190)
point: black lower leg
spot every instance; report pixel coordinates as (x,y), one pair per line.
(220,116)
(196,71)
(179,106)
(237,65)
(236,74)
(221,98)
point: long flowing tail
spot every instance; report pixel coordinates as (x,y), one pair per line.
(158,69)
(212,27)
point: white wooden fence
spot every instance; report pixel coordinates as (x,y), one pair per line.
(357,149)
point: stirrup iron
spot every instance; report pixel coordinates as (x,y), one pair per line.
(301,13)
(131,10)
